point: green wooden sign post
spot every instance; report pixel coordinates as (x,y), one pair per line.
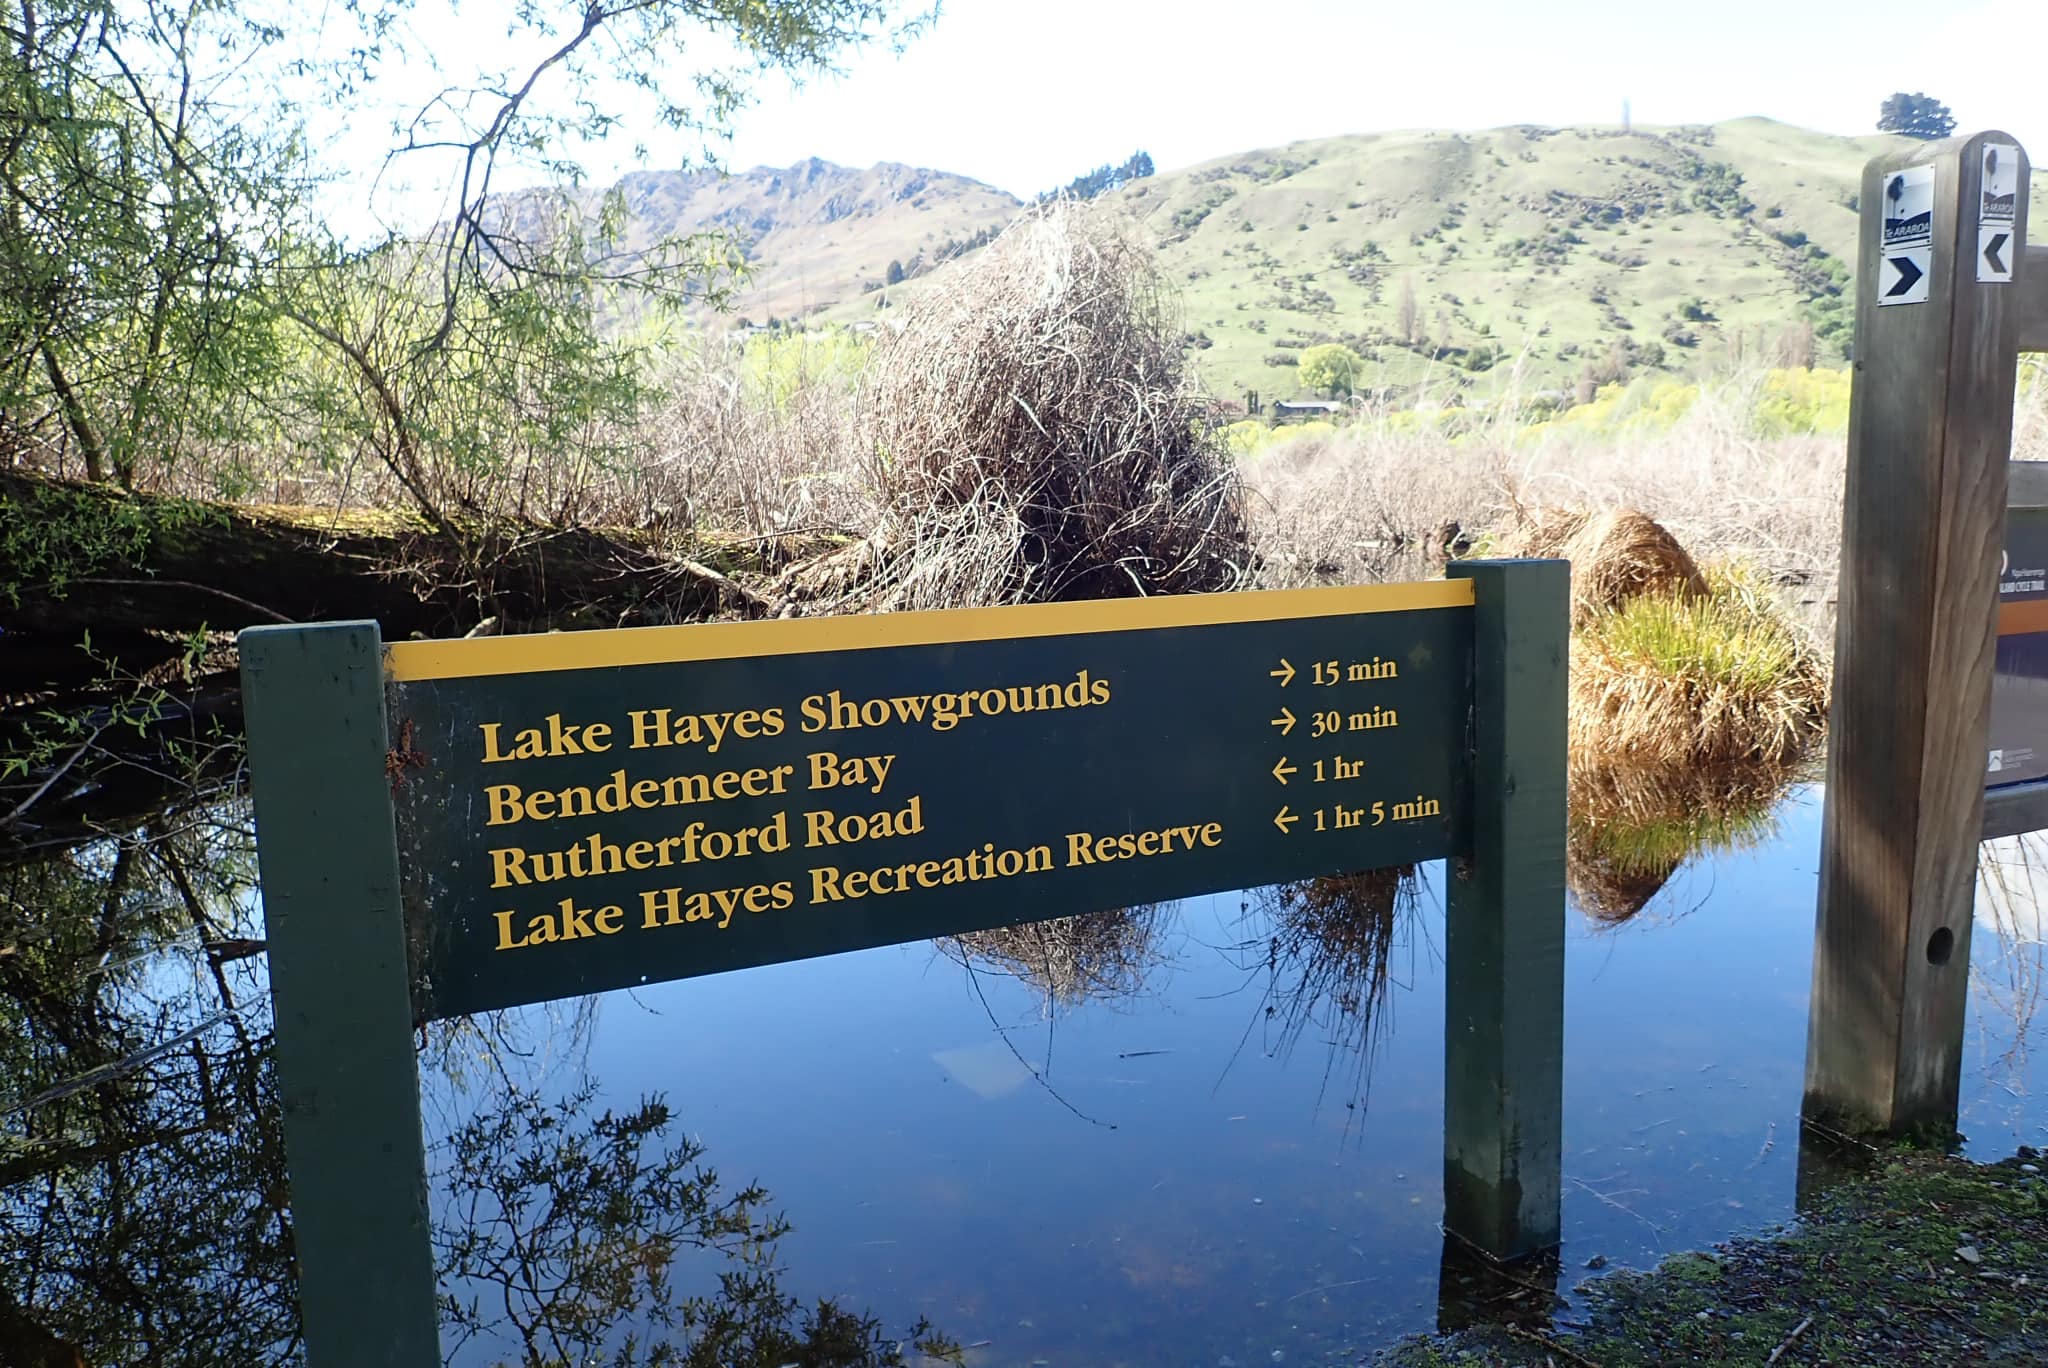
(454,827)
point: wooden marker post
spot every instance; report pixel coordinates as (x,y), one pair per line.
(1930,430)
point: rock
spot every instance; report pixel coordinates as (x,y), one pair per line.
(1597,1261)
(1969,1255)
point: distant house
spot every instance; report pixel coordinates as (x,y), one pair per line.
(1286,410)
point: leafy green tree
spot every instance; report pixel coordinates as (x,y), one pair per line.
(172,300)
(1915,115)
(1331,368)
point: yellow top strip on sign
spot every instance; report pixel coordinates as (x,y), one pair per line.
(593,650)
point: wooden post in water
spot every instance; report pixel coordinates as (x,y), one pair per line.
(314,702)
(1504,989)
(1930,430)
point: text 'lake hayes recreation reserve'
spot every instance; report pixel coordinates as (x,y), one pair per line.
(817,827)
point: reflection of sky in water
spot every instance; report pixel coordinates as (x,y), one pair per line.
(1150,1180)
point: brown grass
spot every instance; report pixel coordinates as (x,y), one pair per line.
(1616,554)
(1027,434)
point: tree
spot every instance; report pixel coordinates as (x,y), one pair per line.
(895,274)
(1331,369)
(1406,313)
(1915,115)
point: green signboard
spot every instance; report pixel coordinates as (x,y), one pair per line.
(599,810)
(448,827)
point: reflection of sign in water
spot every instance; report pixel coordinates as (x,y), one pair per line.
(2019,685)
(1908,236)
(603,809)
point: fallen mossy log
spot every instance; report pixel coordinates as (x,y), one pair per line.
(119,695)
(80,557)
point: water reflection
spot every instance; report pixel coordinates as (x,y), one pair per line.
(1631,828)
(1096,956)
(144,1202)
(1323,953)
(142,1192)
(2009,977)
(1233,1209)
(560,1230)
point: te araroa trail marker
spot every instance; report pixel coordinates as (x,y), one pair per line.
(1908,236)
(451,827)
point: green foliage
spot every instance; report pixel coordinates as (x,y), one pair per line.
(775,368)
(1104,178)
(1803,401)
(51,537)
(1331,368)
(1916,116)
(139,220)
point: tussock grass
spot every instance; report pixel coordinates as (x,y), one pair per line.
(1685,679)
(1616,555)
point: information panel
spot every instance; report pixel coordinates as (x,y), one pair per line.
(2019,682)
(596,810)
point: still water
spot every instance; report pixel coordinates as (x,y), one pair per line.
(1210,1132)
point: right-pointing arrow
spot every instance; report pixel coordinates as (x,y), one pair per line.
(1283,818)
(1285,721)
(1993,248)
(1909,276)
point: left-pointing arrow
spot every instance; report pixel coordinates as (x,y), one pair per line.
(1992,250)
(1285,721)
(1283,769)
(1283,818)
(1285,674)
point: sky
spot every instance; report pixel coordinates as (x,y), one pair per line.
(1026,94)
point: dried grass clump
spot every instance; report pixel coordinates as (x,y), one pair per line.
(1630,828)
(1616,554)
(1070,960)
(1029,436)
(1670,678)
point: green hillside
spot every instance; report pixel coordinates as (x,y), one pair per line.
(1535,257)
(1573,250)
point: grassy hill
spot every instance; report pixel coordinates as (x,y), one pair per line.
(1446,255)
(815,235)
(1537,257)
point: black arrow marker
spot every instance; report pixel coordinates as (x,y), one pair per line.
(1909,276)
(1993,248)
